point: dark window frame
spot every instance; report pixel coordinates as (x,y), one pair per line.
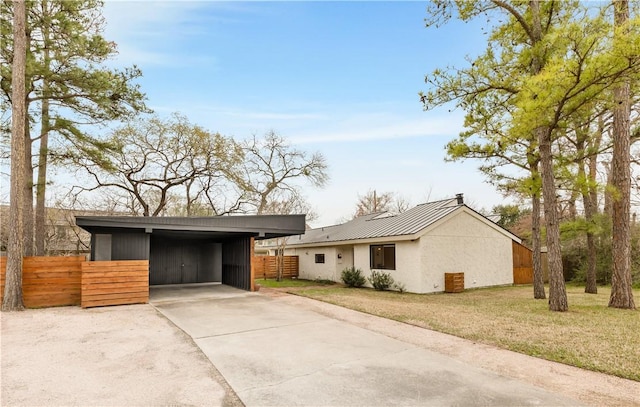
(319,258)
(382,256)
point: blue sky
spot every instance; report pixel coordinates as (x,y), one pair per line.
(341,78)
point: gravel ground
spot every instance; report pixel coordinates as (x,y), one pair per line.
(589,387)
(111,356)
(133,356)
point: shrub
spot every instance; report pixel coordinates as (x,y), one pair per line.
(353,277)
(400,287)
(380,280)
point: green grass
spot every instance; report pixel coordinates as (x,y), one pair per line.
(288,282)
(590,335)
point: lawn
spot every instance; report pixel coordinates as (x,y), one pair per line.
(590,335)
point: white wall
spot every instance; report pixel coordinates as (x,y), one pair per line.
(465,244)
(408,264)
(310,270)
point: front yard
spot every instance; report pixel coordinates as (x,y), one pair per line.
(590,335)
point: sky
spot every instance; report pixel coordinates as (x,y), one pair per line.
(339,78)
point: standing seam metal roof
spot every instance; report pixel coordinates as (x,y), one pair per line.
(382,224)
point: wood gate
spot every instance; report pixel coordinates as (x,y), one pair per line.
(522,264)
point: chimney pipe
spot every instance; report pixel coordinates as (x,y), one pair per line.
(460,199)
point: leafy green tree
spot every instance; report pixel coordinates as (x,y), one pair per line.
(68,88)
(509,214)
(581,148)
(487,91)
(545,61)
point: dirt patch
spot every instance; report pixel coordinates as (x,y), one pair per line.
(111,356)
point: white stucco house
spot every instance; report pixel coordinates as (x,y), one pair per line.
(416,247)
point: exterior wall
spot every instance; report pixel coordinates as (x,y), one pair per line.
(465,244)
(236,263)
(344,259)
(407,270)
(310,270)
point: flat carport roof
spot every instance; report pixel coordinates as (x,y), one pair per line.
(257,226)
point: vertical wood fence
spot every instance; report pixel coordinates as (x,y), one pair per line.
(522,264)
(267,267)
(115,283)
(48,281)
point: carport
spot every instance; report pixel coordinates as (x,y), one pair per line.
(183,250)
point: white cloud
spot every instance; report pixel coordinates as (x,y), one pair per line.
(151,33)
(383,127)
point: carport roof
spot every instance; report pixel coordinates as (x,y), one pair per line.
(258,226)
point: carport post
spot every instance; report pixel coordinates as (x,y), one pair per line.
(251,265)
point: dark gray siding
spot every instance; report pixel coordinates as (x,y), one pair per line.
(130,246)
(211,263)
(236,263)
(181,261)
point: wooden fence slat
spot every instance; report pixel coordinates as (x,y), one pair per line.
(522,264)
(48,281)
(266,267)
(114,283)
(109,287)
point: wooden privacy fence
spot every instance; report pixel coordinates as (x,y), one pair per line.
(115,282)
(59,281)
(522,264)
(48,281)
(266,266)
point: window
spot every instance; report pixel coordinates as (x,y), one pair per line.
(320,258)
(383,256)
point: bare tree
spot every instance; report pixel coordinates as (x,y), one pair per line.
(287,205)
(13,280)
(374,202)
(154,159)
(271,168)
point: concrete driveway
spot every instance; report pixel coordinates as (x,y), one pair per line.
(275,352)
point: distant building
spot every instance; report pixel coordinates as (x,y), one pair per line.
(63,237)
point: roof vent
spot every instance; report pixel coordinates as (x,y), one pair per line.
(460,199)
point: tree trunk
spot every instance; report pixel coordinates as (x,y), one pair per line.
(41,185)
(557,289)
(28,191)
(585,188)
(15,249)
(621,290)
(589,213)
(538,277)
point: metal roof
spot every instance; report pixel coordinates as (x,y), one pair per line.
(383,225)
(259,226)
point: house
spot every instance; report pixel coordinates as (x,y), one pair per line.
(416,247)
(62,236)
(183,250)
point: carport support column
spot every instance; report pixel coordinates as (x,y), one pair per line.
(251,263)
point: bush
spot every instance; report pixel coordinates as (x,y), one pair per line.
(353,277)
(400,287)
(380,280)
